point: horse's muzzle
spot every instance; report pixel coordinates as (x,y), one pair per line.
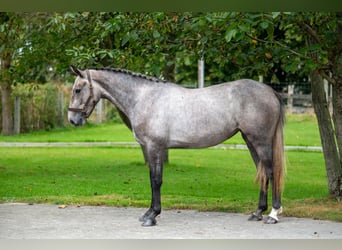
(76,120)
(75,123)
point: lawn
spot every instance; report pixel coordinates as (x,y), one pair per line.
(204,179)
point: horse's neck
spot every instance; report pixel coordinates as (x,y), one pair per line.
(121,90)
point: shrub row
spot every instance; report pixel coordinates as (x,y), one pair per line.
(45,106)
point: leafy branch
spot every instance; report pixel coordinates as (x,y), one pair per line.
(280,44)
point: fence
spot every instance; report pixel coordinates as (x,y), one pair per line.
(297,96)
(45,106)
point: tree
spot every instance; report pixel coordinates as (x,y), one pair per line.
(311,43)
(24,56)
(326,34)
(9,23)
(167,45)
(322,33)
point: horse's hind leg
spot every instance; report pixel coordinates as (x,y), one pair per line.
(266,175)
(262,206)
(257,215)
(272,218)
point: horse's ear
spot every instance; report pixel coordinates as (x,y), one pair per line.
(76,71)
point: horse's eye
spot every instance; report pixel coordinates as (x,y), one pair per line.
(77,91)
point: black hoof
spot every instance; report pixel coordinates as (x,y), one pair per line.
(255,217)
(270,220)
(149,223)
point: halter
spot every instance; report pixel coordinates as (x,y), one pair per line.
(84,109)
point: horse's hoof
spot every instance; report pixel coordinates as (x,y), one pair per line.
(270,220)
(149,223)
(255,217)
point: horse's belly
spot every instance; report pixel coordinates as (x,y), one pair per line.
(200,137)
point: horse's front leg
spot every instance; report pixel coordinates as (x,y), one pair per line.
(156,175)
(165,155)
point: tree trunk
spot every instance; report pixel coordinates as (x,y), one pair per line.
(337,117)
(336,62)
(7,118)
(6,90)
(331,157)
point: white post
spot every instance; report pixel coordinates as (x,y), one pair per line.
(201,73)
(261,78)
(99,111)
(290,97)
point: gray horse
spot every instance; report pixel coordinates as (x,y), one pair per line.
(164,115)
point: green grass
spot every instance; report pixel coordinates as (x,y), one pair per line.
(206,179)
(300,130)
(89,133)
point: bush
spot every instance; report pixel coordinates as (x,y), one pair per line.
(45,106)
(38,106)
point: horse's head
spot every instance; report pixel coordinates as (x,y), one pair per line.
(83,98)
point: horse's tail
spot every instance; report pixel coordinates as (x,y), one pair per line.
(278,151)
(278,155)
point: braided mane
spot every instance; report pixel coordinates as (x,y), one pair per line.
(131,73)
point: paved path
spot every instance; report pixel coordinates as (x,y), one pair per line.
(23,221)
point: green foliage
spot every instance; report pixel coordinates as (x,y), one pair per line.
(38,106)
(26,47)
(168,44)
(41,46)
